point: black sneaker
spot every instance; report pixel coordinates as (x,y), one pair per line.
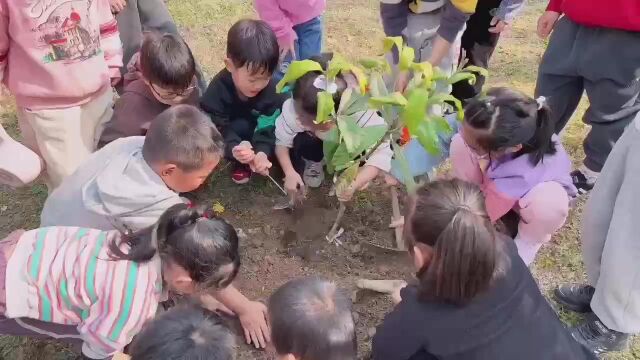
(598,338)
(581,182)
(575,297)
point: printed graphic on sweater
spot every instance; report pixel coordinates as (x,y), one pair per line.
(63,27)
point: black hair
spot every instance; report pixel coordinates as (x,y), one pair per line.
(185,332)
(305,94)
(182,135)
(193,238)
(450,217)
(252,43)
(311,319)
(167,61)
(509,118)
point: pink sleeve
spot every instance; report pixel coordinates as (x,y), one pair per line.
(555,5)
(464,163)
(270,12)
(4,37)
(110,38)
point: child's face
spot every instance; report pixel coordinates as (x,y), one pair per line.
(182,181)
(170,96)
(248,83)
(470,136)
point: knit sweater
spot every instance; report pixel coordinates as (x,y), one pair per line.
(58,53)
(65,275)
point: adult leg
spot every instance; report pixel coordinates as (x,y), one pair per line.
(558,79)
(613,91)
(309,38)
(477,47)
(130,29)
(543,210)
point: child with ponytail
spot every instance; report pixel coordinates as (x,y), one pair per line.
(98,288)
(475,299)
(507,146)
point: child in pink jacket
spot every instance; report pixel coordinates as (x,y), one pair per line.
(508,147)
(59,58)
(298,27)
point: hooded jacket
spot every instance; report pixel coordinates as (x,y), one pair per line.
(114,189)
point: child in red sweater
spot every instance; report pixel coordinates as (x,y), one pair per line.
(59,59)
(594,48)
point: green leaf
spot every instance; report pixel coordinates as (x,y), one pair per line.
(396,99)
(428,137)
(361,77)
(441,124)
(349,132)
(296,70)
(407,55)
(337,65)
(353,103)
(347,177)
(326,107)
(476,69)
(330,144)
(461,76)
(377,65)
(377,86)
(416,108)
(441,98)
(341,158)
(369,137)
(390,41)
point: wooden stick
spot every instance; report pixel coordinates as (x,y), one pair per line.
(336,224)
(381,286)
(395,206)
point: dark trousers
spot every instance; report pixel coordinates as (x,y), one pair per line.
(606,64)
(477,47)
(305,147)
(147,15)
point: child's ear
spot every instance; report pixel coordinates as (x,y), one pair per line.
(229,64)
(422,254)
(167,169)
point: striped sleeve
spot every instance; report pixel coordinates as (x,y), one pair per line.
(126,300)
(110,38)
(382,155)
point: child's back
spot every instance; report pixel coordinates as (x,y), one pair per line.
(129,183)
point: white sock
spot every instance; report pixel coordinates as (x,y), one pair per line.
(591,175)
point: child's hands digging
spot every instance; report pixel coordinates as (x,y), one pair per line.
(243,152)
(253,317)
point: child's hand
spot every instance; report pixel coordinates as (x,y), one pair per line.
(345,193)
(243,153)
(395,295)
(286,49)
(402,81)
(293,183)
(546,22)
(261,164)
(254,322)
(117,5)
(497,25)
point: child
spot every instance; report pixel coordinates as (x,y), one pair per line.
(311,320)
(99,288)
(585,36)
(59,58)
(18,165)
(298,26)
(129,183)
(507,145)
(242,100)
(299,140)
(137,16)
(610,253)
(166,77)
(185,332)
(475,298)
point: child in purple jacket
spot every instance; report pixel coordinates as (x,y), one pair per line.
(298,27)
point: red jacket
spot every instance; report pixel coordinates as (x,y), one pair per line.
(612,14)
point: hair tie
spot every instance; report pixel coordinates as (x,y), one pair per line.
(542,101)
(322,83)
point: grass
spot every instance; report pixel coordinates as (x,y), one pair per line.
(353,29)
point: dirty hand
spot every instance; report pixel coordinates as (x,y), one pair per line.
(497,25)
(117,5)
(243,153)
(261,164)
(253,319)
(288,48)
(396,223)
(345,194)
(546,22)
(293,183)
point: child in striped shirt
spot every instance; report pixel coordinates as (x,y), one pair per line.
(97,288)
(299,140)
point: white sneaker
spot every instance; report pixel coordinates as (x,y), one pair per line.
(313,174)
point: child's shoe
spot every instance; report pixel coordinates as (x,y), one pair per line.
(19,166)
(584,179)
(313,174)
(241,174)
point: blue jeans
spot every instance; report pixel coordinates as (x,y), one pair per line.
(420,161)
(308,43)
